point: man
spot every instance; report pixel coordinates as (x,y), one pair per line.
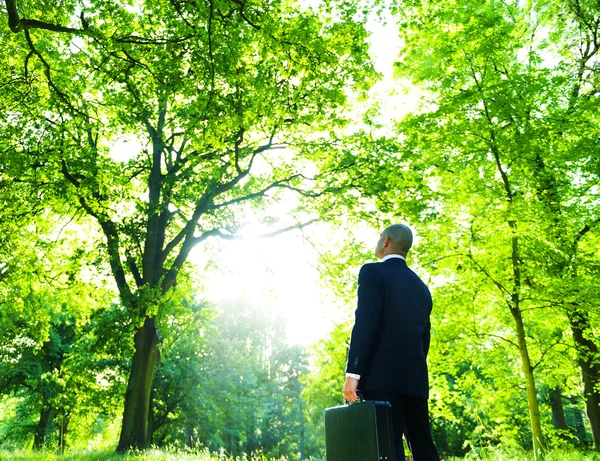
(390,341)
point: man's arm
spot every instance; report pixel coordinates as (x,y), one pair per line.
(427,338)
(367,315)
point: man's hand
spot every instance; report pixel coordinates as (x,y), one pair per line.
(349,390)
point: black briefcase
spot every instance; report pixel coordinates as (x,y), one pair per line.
(360,432)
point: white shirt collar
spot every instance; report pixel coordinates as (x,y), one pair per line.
(385,258)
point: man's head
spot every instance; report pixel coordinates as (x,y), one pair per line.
(396,239)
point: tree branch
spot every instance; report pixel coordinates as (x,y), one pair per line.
(191,242)
(47,70)
(587,228)
(188,230)
(224,187)
(112,238)
(217,232)
(243,15)
(261,193)
(135,39)
(16,23)
(491,335)
(544,354)
(488,275)
(134,270)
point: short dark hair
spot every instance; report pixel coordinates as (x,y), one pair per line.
(400,236)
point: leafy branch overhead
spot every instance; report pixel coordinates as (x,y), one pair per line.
(198,101)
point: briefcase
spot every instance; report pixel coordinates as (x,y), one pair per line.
(360,432)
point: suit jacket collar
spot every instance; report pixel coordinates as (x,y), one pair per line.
(392,256)
(394,262)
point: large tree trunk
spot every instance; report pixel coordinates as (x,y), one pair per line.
(588,358)
(41,428)
(136,429)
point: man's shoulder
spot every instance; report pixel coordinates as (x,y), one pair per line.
(369,269)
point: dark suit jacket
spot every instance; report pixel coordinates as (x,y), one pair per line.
(390,338)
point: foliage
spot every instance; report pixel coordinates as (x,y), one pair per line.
(497,454)
(510,176)
(230,384)
(47,303)
(185,455)
(136,130)
(323,384)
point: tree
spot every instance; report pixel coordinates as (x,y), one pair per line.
(208,93)
(229,381)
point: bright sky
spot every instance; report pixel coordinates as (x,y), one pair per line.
(277,275)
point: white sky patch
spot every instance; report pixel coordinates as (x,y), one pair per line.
(385,45)
(398,96)
(77,44)
(125,149)
(278,274)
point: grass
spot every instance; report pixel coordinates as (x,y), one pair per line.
(486,454)
(110,455)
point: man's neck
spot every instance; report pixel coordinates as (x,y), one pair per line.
(391,256)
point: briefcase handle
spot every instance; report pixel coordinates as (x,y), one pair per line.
(361,398)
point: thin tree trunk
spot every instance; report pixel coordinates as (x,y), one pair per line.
(530,387)
(189,436)
(64,426)
(579,427)
(514,303)
(41,428)
(135,430)
(151,411)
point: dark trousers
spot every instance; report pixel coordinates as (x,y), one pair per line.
(410,416)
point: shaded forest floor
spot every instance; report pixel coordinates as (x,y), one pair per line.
(157,455)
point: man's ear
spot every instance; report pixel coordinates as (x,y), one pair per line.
(387,242)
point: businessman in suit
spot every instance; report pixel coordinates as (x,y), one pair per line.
(387,359)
